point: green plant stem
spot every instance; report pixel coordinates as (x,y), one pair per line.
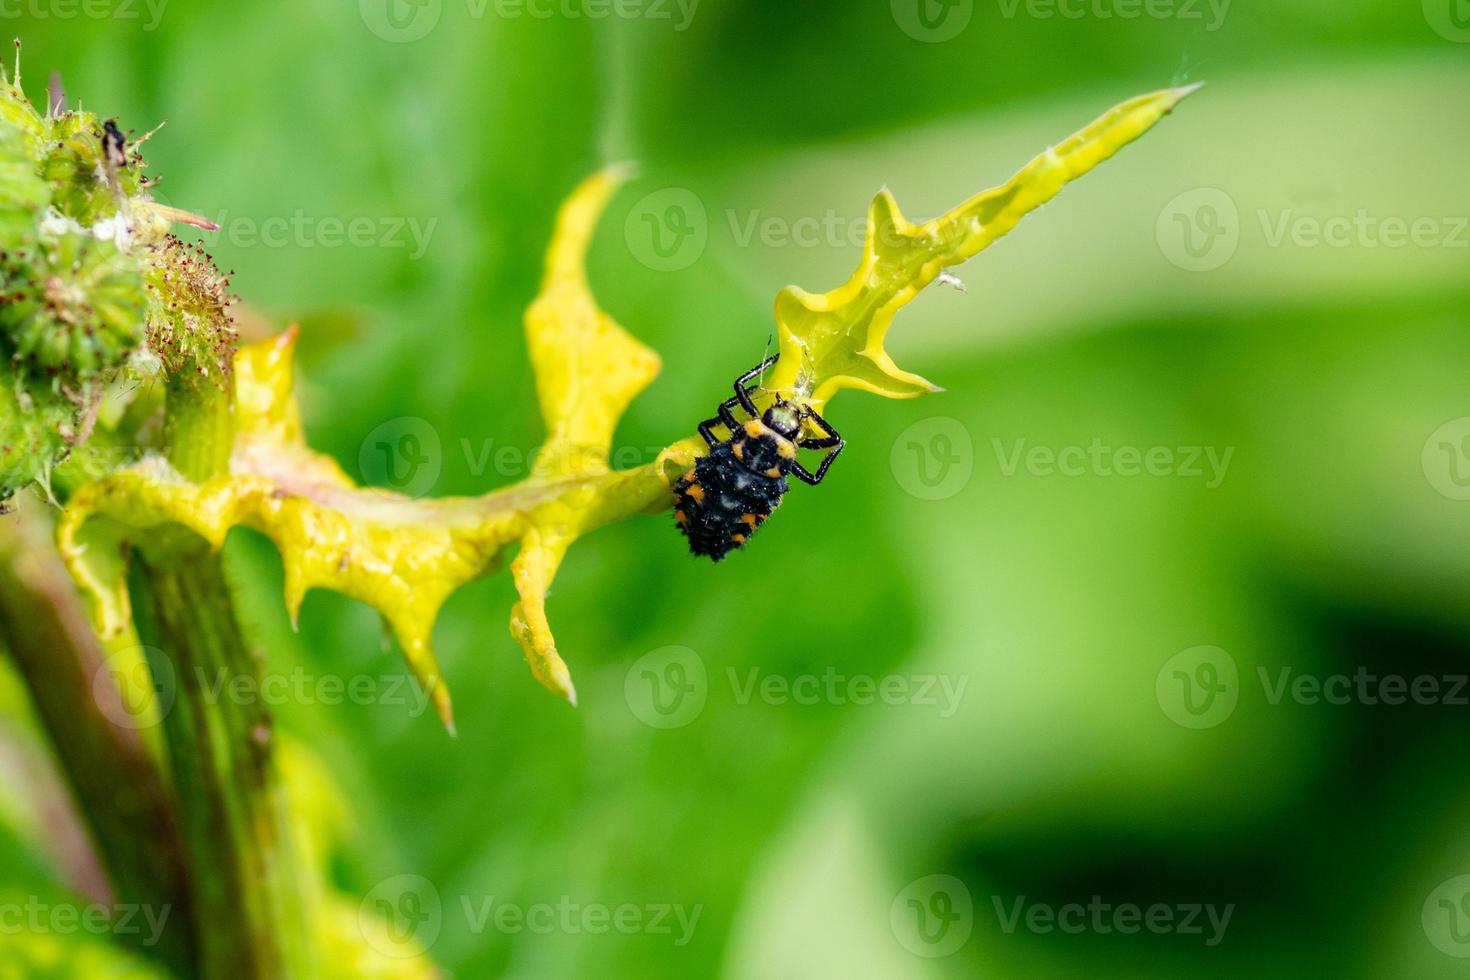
(113,776)
(221,746)
(247,890)
(199,427)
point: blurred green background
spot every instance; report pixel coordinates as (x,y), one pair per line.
(1274,278)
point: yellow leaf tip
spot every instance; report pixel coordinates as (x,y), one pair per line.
(558,679)
(443,705)
(1182,92)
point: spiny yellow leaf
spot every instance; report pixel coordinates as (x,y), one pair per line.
(835,340)
(588,368)
(533,569)
(401,555)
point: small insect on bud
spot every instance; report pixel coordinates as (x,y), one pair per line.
(115,145)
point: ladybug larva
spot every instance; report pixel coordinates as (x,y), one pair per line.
(730,492)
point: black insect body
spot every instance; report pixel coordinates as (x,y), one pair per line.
(730,492)
(115,144)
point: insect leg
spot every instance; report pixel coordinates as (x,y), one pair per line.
(726,417)
(800,472)
(742,394)
(832,441)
